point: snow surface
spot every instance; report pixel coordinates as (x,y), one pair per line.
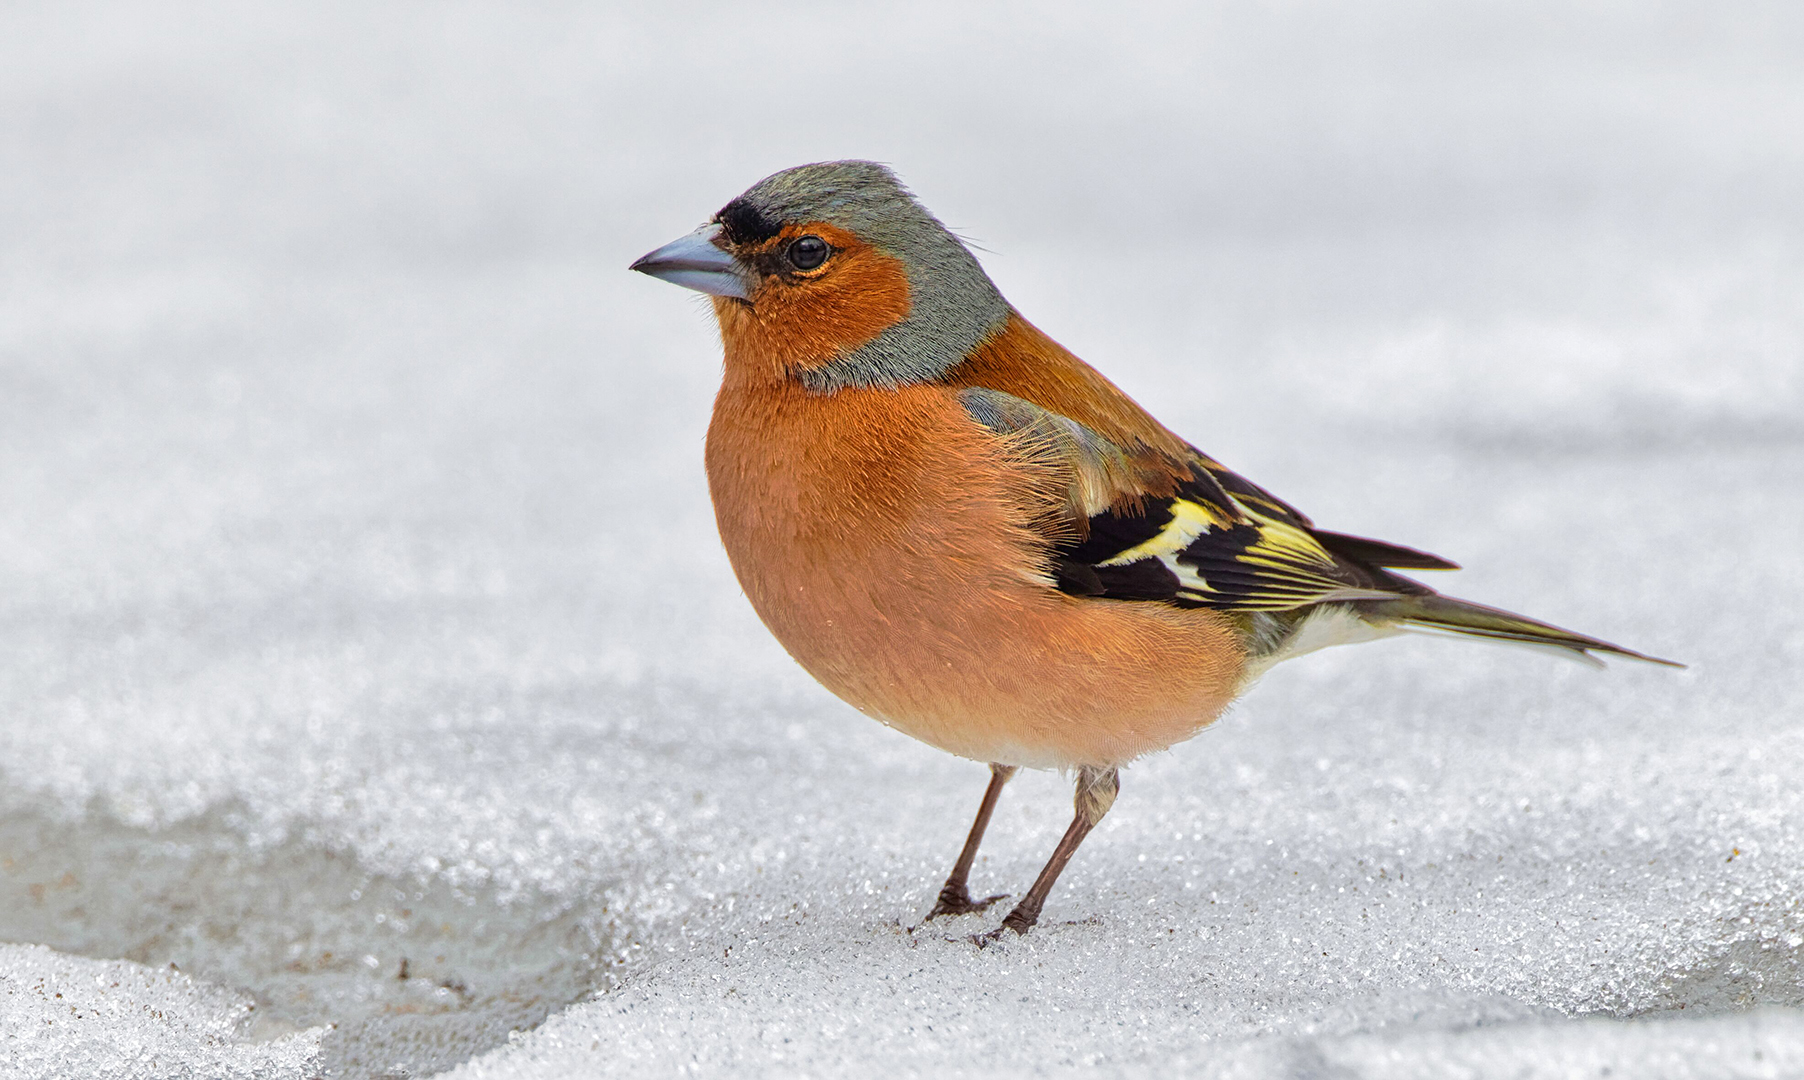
(70,1016)
(371,658)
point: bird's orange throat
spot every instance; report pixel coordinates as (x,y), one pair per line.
(791,325)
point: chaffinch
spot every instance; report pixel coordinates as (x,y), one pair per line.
(966,532)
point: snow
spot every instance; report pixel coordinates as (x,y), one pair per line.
(69,1016)
(371,658)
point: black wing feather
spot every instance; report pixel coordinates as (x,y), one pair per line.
(1211,539)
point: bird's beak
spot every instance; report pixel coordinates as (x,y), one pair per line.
(696,262)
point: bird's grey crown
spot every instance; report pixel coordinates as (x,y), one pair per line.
(953,305)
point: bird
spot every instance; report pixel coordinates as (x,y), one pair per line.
(968,533)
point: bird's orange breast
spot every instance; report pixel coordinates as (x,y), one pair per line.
(886,540)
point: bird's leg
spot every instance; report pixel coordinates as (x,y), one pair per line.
(955,897)
(1096,790)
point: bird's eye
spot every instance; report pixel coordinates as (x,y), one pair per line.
(807,252)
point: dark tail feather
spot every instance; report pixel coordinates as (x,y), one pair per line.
(1434,612)
(1380,553)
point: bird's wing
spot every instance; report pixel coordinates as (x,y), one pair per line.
(1137,524)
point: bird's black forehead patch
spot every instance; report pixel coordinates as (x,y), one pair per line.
(745,223)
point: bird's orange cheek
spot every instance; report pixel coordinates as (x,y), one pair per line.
(791,326)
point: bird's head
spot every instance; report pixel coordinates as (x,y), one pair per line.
(835,275)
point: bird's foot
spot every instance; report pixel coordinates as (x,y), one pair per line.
(957,901)
(1016,923)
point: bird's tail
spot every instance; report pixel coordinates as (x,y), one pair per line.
(1443,614)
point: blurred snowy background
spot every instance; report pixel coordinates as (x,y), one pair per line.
(373,685)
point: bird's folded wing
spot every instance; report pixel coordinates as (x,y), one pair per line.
(1139,525)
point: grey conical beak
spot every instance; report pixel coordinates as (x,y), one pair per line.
(696,262)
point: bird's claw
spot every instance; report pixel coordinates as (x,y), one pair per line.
(991,937)
(960,903)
